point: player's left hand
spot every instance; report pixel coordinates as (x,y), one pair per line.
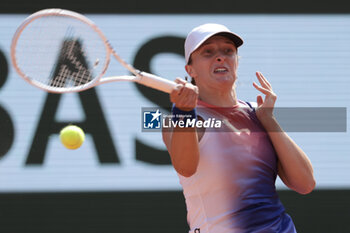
(265,107)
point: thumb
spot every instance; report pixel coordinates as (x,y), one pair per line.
(259,100)
(179,81)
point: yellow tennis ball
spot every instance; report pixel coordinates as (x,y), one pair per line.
(72,137)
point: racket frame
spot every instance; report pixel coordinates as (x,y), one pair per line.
(143,78)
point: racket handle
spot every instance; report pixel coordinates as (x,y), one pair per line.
(155,82)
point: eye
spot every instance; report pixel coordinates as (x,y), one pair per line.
(229,51)
(208,51)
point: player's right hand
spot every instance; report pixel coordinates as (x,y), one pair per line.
(184,95)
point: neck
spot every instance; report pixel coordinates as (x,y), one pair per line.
(220,99)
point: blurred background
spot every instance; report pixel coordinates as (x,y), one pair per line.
(121,179)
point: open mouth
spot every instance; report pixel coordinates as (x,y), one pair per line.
(220,70)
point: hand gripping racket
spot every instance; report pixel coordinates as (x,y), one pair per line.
(62,51)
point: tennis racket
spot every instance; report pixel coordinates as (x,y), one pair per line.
(63,51)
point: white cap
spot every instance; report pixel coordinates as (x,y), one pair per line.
(203,32)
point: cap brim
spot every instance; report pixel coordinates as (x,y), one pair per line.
(235,39)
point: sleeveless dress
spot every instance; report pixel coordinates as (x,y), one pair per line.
(233,189)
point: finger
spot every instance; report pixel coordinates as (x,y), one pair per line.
(180,98)
(193,100)
(177,89)
(182,84)
(262,77)
(176,92)
(259,100)
(189,96)
(261,89)
(263,80)
(180,81)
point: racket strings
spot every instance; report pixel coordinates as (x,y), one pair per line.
(60,53)
(72,68)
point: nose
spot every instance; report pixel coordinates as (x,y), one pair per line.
(219,58)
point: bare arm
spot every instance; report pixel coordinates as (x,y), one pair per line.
(182,143)
(294,167)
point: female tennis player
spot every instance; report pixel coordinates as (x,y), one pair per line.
(228,174)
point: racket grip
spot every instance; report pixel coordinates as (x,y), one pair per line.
(156,82)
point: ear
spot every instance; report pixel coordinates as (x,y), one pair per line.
(190,71)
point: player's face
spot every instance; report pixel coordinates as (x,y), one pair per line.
(214,63)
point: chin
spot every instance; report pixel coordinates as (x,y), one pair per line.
(227,80)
